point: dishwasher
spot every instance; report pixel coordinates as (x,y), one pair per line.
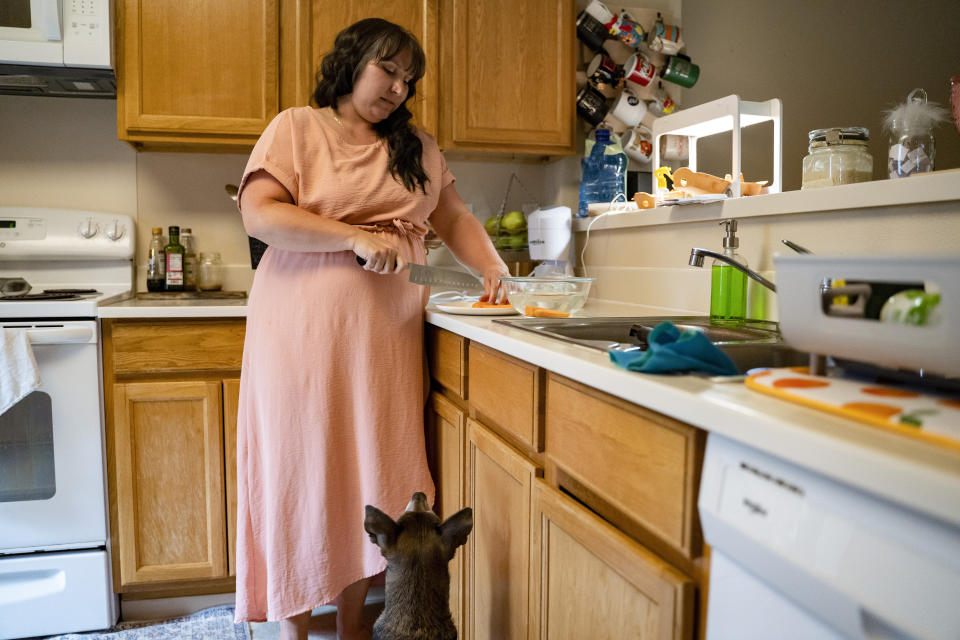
(796,555)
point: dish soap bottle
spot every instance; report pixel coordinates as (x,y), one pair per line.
(728,285)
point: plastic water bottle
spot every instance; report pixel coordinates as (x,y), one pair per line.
(604,171)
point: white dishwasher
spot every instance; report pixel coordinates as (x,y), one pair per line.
(796,555)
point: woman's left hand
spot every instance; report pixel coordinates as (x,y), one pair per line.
(492,289)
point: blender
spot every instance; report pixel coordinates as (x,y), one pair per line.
(548,233)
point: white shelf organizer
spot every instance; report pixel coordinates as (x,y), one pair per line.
(725,114)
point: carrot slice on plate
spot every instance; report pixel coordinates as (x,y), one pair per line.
(538,312)
(491,305)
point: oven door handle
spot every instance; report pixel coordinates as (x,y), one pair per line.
(60,336)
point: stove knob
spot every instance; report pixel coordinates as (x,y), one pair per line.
(88,228)
(115,230)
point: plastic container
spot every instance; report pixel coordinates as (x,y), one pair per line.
(604,172)
(837,156)
(564,295)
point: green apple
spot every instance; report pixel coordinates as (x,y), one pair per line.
(514,221)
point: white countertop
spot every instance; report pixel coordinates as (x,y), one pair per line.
(216,308)
(911,472)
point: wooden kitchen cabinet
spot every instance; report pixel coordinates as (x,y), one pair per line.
(208,76)
(507,76)
(171,391)
(169,481)
(499,482)
(446,438)
(595,582)
(447,359)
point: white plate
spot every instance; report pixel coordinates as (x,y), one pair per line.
(467,309)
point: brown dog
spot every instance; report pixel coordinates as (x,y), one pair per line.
(418,548)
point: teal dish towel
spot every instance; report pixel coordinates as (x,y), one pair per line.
(671,351)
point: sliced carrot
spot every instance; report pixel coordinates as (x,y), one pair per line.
(799,383)
(491,305)
(873,409)
(538,312)
(890,393)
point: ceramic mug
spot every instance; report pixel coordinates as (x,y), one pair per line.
(602,13)
(629,108)
(662,104)
(628,31)
(639,70)
(674,147)
(604,71)
(680,70)
(591,105)
(638,144)
(665,38)
(591,31)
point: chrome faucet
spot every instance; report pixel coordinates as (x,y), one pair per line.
(696,260)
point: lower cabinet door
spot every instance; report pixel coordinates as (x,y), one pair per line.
(231,399)
(591,581)
(168,462)
(499,481)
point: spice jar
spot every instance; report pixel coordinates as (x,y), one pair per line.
(210,272)
(837,156)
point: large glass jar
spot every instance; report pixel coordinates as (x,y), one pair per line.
(210,272)
(912,148)
(837,156)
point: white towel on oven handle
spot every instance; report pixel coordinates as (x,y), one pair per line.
(19,374)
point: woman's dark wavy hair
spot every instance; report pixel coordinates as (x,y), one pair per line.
(372,40)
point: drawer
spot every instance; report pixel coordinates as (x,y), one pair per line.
(447,353)
(507,394)
(637,468)
(168,346)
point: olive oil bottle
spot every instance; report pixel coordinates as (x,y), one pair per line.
(174,253)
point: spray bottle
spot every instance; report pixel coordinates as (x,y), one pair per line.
(728,285)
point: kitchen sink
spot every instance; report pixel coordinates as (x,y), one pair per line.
(756,343)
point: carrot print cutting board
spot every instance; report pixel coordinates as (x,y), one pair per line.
(935,418)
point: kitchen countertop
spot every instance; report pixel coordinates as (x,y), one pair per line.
(182,308)
(913,473)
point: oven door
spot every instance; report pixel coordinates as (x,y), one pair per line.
(31,32)
(51,446)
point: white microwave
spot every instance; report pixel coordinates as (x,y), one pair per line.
(56,47)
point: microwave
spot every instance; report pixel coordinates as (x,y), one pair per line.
(57,47)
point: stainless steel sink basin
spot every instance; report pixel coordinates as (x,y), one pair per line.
(753,344)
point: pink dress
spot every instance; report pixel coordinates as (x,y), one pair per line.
(332,388)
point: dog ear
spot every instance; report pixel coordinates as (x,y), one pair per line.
(455,529)
(381,527)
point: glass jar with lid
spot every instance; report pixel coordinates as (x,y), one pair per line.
(209,272)
(837,156)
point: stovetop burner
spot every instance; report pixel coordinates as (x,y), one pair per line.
(52,294)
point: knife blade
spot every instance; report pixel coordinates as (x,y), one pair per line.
(437,276)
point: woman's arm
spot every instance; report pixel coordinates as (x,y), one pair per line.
(269,214)
(468,240)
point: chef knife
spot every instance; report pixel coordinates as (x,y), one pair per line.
(437,277)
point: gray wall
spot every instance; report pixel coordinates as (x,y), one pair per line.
(836,63)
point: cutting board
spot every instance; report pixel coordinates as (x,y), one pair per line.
(931,417)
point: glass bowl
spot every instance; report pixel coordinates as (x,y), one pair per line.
(563,295)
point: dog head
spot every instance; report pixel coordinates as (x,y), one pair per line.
(418,536)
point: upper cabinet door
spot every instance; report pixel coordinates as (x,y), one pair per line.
(417,16)
(190,71)
(508,75)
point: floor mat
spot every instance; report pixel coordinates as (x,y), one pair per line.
(215,623)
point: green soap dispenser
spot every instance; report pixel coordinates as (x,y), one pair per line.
(728,285)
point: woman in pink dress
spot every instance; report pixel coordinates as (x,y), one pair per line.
(332,387)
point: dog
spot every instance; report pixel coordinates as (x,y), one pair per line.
(418,548)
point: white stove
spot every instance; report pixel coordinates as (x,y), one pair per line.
(65,250)
(55,572)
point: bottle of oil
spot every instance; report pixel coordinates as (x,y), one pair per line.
(728,285)
(189,260)
(174,253)
(156,261)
